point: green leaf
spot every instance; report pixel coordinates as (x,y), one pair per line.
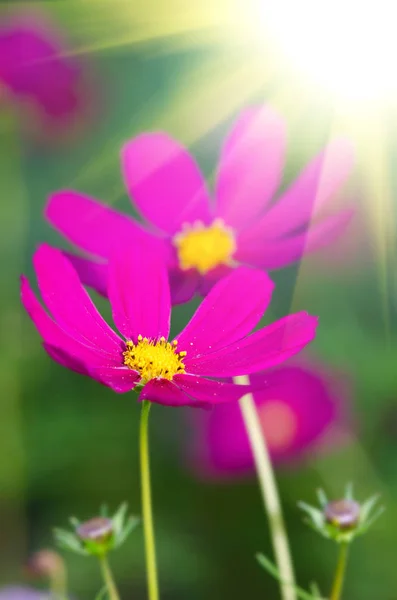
(315,514)
(349,491)
(324,531)
(367,524)
(119,518)
(68,541)
(273,570)
(322,498)
(102,593)
(132,523)
(315,590)
(367,507)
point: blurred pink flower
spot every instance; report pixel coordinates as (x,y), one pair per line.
(202,240)
(39,77)
(300,409)
(214,344)
(350,254)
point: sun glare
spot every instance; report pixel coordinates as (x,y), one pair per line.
(348,47)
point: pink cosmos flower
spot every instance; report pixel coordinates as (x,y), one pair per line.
(184,371)
(300,408)
(200,239)
(36,73)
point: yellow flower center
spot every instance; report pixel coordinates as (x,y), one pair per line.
(204,247)
(279,424)
(154,359)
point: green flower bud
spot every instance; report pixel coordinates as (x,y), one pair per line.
(344,514)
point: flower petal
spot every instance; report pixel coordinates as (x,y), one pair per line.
(69,302)
(210,390)
(91,273)
(230,311)
(89,224)
(62,347)
(310,395)
(36,66)
(65,359)
(250,166)
(263,349)
(19,592)
(139,292)
(298,407)
(274,254)
(208,280)
(165,182)
(165,392)
(119,379)
(321,178)
(183,284)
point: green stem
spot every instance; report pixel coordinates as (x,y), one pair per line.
(337,587)
(147,513)
(58,583)
(268,487)
(108,578)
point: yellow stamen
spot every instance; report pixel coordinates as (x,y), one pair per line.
(204,247)
(154,359)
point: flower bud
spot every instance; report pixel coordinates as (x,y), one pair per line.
(97,536)
(344,514)
(98,529)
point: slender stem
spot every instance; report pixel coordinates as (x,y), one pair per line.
(58,583)
(108,578)
(147,513)
(337,587)
(268,486)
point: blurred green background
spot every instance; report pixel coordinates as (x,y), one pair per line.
(67,444)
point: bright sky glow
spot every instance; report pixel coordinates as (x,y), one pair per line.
(349,47)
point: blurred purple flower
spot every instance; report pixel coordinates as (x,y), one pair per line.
(14,592)
(214,344)
(202,240)
(300,408)
(38,75)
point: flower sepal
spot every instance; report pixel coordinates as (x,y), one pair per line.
(99,535)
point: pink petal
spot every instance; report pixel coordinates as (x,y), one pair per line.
(35,67)
(229,312)
(19,592)
(164,182)
(91,273)
(119,379)
(69,303)
(250,166)
(274,254)
(139,292)
(165,392)
(66,360)
(263,349)
(62,347)
(183,284)
(210,390)
(90,225)
(218,445)
(310,395)
(208,280)
(322,178)
(95,275)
